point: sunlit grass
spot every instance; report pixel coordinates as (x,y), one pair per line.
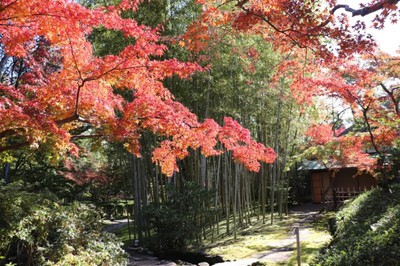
(263,238)
(250,240)
(316,237)
(125,235)
(309,248)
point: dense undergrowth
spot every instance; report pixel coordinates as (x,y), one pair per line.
(366,231)
(36,229)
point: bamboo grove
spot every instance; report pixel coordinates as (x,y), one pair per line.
(242,81)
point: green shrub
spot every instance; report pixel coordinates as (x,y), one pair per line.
(178,222)
(366,231)
(36,230)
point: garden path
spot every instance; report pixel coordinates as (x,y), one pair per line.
(279,251)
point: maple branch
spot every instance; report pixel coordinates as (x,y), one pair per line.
(356,99)
(369,128)
(14,146)
(285,31)
(79,73)
(365,10)
(77,98)
(395,102)
(8,5)
(26,143)
(372,138)
(108,71)
(30,15)
(9,132)
(69,119)
(14,131)
(93,136)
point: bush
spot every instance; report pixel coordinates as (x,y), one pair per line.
(179,221)
(36,230)
(366,231)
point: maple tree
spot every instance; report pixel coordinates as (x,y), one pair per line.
(322,50)
(310,34)
(370,87)
(315,25)
(53,85)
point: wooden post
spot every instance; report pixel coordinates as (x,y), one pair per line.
(296,231)
(335,199)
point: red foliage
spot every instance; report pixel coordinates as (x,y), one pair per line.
(370,86)
(63,86)
(285,23)
(320,134)
(84,175)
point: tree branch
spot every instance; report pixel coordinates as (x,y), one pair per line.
(9,132)
(369,128)
(365,10)
(67,120)
(93,136)
(282,31)
(15,131)
(394,100)
(6,6)
(14,146)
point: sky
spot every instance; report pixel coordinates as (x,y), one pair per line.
(388,38)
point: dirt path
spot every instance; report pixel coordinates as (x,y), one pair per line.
(281,250)
(114,225)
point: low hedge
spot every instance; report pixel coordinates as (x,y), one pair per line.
(366,231)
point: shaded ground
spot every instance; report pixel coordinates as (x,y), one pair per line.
(139,259)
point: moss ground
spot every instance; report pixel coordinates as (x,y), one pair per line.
(264,238)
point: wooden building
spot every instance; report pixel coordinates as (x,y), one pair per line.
(337,183)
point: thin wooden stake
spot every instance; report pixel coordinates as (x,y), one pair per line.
(296,231)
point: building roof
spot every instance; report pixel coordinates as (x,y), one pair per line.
(308,165)
(316,165)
